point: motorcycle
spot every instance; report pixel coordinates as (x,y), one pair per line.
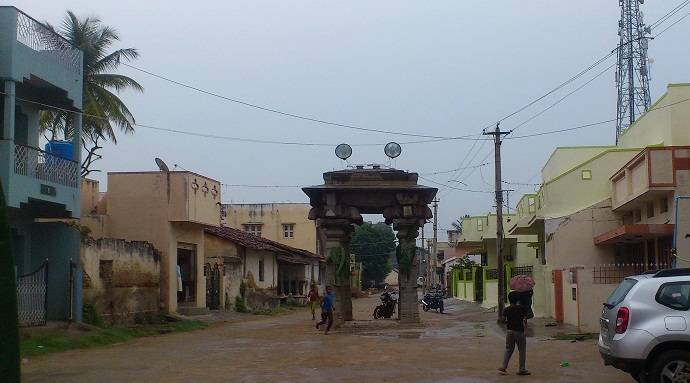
(433,300)
(387,307)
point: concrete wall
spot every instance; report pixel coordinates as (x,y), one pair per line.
(252,270)
(121,279)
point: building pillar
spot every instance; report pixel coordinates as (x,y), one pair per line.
(9,106)
(408,305)
(337,234)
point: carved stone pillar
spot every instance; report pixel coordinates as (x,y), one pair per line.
(337,236)
(408,305)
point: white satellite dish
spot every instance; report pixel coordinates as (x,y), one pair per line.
(161,165)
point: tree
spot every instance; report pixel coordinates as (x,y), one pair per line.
(9,322)
(103,109)
(373,245)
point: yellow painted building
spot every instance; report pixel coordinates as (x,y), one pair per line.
(167,209)
(286,223)
(606,212)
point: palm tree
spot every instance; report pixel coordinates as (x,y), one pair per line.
(103,109)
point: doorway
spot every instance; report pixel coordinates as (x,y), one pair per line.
(186,272)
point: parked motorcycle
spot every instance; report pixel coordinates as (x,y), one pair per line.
(433,300)
(387,307)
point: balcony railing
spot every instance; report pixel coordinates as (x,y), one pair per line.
(41,39)
(44,166)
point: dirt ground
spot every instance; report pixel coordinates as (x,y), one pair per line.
(462,345)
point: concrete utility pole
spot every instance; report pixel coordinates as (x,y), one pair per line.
(499,219)
(435,259)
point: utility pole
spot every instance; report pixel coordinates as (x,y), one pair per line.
(422,266)
(499,218)
(434,273)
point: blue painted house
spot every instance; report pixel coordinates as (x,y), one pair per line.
(39,70)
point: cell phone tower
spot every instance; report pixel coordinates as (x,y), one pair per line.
(632,72)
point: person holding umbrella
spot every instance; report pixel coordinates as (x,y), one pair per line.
(523,284)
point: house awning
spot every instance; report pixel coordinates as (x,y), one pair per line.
(634,233)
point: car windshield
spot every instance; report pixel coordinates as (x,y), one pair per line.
(620,292)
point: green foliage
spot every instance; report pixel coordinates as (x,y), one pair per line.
(90,316)
(372,245)
(9,320)
(406,252)
(340,258)
(48,343)
(465,263)
(104,111)
(240,306)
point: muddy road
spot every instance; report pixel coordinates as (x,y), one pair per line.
(462,345)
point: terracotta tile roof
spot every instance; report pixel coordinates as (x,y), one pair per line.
(255,242)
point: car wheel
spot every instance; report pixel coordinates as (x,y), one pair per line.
(671,366)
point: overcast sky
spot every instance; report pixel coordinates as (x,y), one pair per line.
(418,69)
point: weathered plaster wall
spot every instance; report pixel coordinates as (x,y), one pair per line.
(121,279)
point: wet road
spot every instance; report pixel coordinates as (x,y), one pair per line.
(462,345)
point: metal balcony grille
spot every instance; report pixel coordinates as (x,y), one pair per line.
(44,166)
(31,297)
(521,270)
(41,39)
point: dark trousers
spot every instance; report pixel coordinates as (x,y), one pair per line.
(327,315)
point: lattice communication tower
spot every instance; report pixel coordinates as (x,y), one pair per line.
(632,72)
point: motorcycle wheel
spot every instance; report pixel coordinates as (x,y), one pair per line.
(440,309)
(377,313)
(425,307)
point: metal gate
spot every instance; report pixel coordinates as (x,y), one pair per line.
(31,297)
(212,286)
(479,284)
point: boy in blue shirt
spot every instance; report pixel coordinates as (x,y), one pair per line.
(327,309)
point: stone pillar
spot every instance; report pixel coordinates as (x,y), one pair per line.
(337,234)
(408,306)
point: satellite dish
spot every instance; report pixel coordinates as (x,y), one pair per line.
(161,165)
(343,151)
(392,149)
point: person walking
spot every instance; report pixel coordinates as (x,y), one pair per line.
(313,300)
(515,317)
(326,310)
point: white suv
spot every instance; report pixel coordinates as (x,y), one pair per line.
(644,326)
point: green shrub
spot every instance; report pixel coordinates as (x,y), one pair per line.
(240,307)
(90,316)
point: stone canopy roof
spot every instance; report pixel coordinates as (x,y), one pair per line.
(255,242)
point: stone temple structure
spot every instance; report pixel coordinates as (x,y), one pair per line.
(339,203)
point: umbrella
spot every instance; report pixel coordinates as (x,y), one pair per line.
(521,283)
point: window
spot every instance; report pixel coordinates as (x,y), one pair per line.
(650,210)
(637,215)
(586,174)
(480,224)
(289,230)
(674,295)
(663,205)
(254,229)
(261,270)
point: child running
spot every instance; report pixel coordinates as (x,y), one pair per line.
(515,317)
(313,300)
(326,310)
